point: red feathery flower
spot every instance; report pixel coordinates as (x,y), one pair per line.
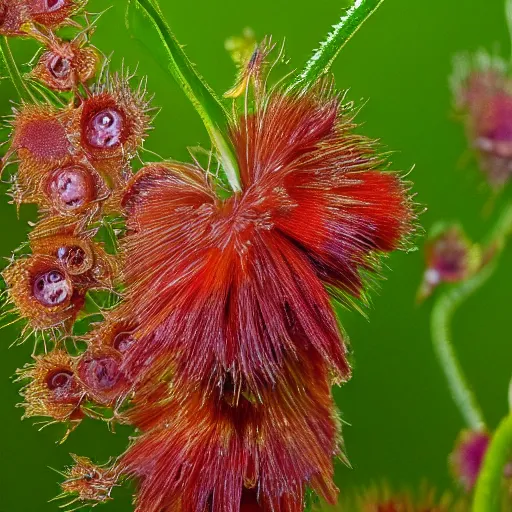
(204,452)
(236,286)
(231,302)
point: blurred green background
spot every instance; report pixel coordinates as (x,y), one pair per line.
(401,422)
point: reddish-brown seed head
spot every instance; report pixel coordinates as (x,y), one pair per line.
(482,94)
(89,482)
(66,65)
(100,372)
(449,256)
(39,132)
(71,188)
(42,291)
(53,389)
(112,123)
(239,283)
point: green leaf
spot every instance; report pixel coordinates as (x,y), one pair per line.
(8,68)
(322,59)
(145,21)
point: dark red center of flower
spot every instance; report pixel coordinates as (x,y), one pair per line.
(73,257)
(60,379)
(59,67)
(51,288)
(105,128)
(71,188)
(123,341)
(102,373)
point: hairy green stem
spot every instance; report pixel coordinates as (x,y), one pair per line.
(488,485)
(442,314)
(210,108)
(349,24)
(7,62)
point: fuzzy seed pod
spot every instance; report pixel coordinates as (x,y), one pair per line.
(53,389)
(39,135)
(450,257)
(99,370)
(73,189)
(65,65)
(209,452)
(83,259)
(114,333)
(383,499)
(467,457)
(483,94)
(110,126)
(88,482)
(42,291)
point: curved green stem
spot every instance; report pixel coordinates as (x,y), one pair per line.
(488,486)
(442,314)
(147,23)
(321,61)
(7,62)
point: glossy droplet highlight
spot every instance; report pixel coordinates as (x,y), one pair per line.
(71,188)
(105,128)
(52,288)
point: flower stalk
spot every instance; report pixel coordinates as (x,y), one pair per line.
(322,59)
(441,317)
(8,65)
(488,486)
(144,17)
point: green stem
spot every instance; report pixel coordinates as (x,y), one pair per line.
(442,314)
(321,61)
(212,112)
(488,486)
(10,66)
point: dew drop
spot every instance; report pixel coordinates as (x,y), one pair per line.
(104,129)
(51,288)
(71,188)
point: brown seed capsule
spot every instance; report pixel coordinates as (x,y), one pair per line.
(39,134)
(84,260)
(66,65)
(53,389)
(99,370)
(114,333)
(450,257)
(482,91)
(88,481)
(72,189)
(42,291)
(111,125)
